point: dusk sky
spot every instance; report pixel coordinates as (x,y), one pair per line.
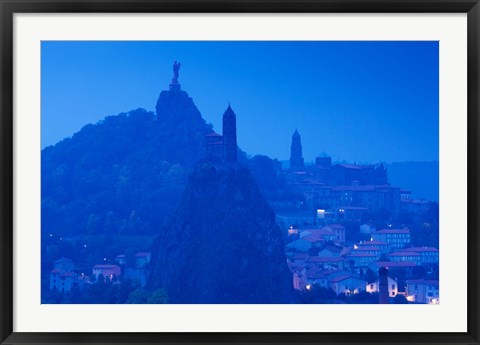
(363,102)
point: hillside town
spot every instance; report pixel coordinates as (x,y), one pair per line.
(324,232)
(332,242)
(324,252)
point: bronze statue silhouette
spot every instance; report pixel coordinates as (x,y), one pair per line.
(176,67)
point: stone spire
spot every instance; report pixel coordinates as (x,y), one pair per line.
(230,135)
(296,159)
(174,85)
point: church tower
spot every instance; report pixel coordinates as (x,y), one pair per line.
(296,159)
(230,135)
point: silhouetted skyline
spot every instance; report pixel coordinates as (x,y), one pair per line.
(357,101)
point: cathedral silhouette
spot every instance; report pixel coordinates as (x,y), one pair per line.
(223,148)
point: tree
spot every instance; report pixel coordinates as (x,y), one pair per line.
(138,296)
(370,276)
(400,299)
(158,296)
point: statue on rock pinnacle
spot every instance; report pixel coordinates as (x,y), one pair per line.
(175,85)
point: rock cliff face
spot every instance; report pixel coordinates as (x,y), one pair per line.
(222,244)
(178,116)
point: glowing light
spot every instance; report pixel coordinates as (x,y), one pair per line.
(308,287)
(320,213)
(355,246)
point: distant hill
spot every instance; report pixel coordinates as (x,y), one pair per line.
(124,174)
(421,178)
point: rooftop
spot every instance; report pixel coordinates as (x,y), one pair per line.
(349,166)
(319,259)
(375,243)
(213,134)
(300,256)
(334,226)
(340,278)
(404,253)
(334,249)
(360,255)
(393,264)
(392,231)
(422,249)
(366,188)
(106,266)
(422,281)
(362,248)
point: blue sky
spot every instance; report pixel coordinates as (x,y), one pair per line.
(357,101)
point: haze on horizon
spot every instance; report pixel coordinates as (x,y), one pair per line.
(357,101)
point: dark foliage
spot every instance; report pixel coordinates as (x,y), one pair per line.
(317,295)
(124,174)
(222,244)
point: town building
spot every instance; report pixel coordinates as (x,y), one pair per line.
(405,255)
(121,259)
(353,174)
(296,218)
(338,231)
(142,259)
(392,287)
(423,291)
(359,259)
(64,264)
(323,161)
(301,245)
(62,277)
(428,255)
(107,271)
(63,281)
(330,252)
(396,238)
(373,198)
(347,284)
(382,247)
(326,263)
(375,266)
(299,279)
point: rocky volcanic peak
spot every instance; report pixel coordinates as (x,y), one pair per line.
(222,244)
(178,116)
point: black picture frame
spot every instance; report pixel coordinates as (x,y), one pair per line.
(9,7)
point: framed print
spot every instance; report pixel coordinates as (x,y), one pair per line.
(252,172)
